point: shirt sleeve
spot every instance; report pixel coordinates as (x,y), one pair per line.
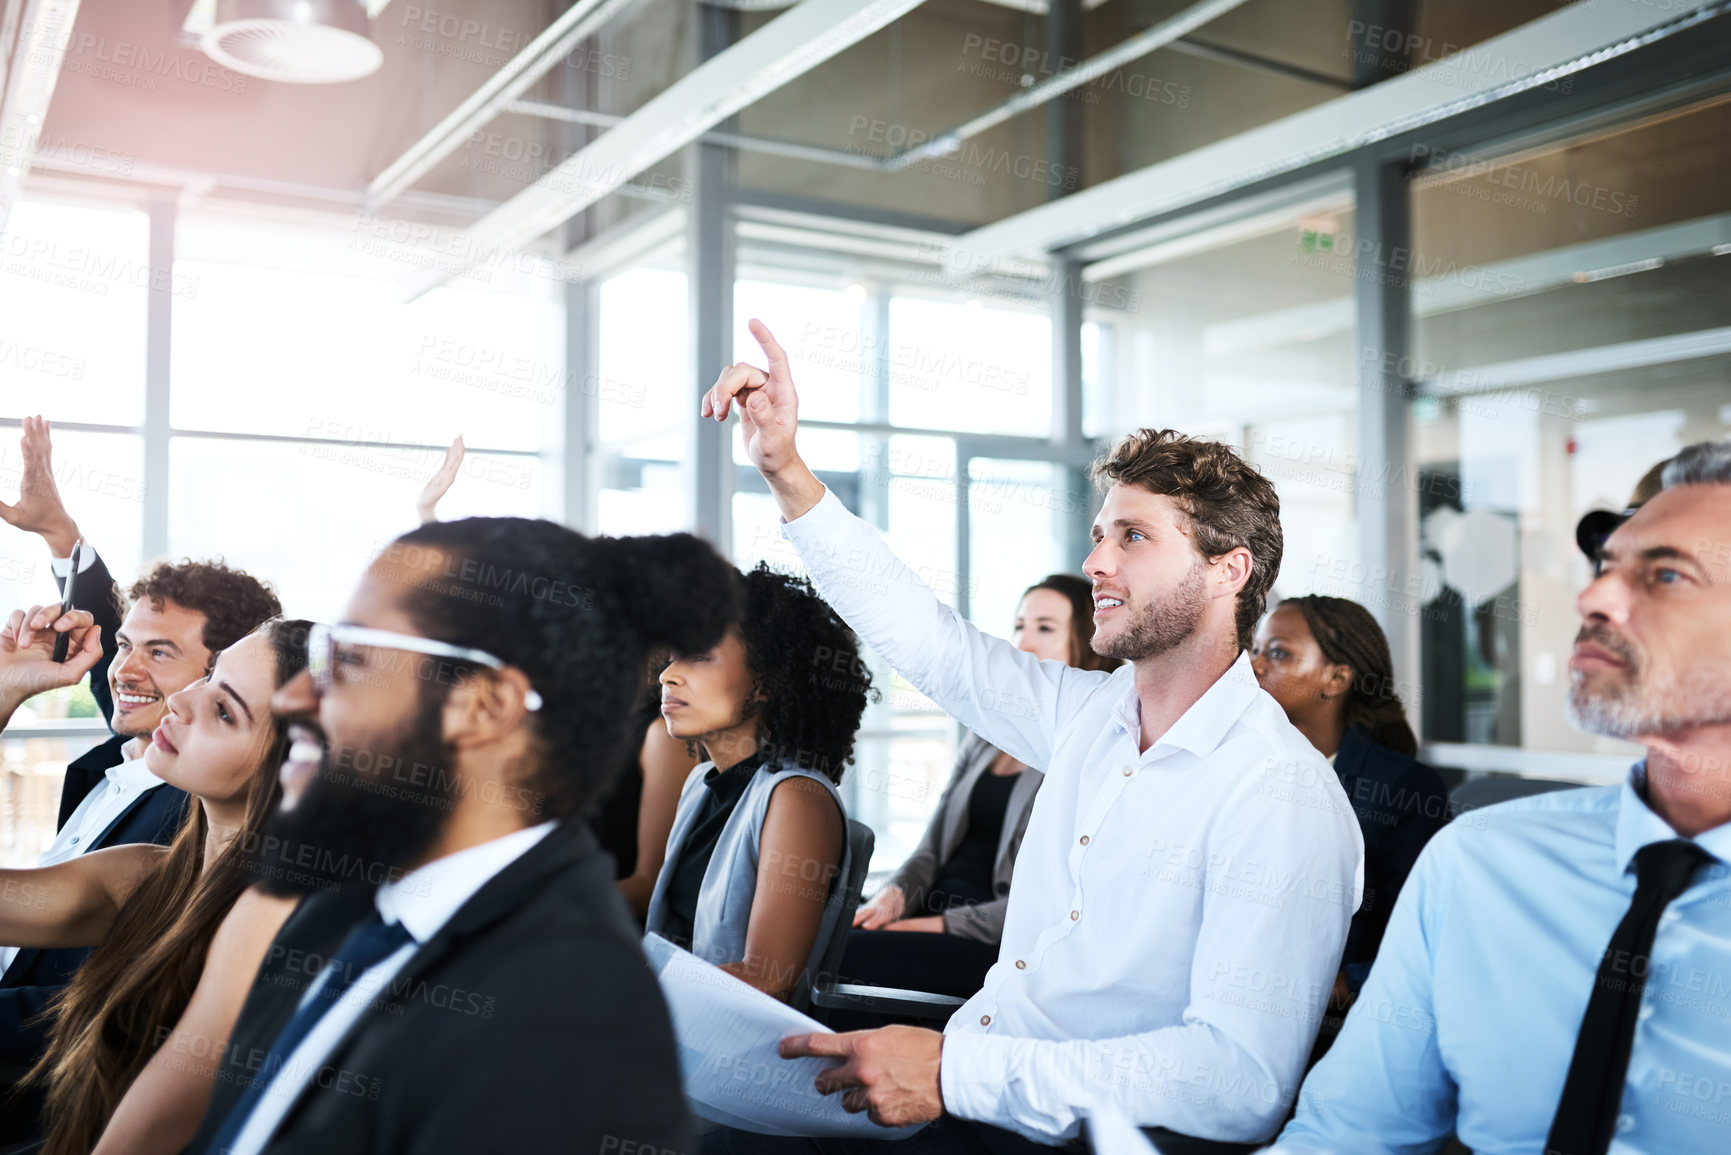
(1008,697)
(1383,1087)
(1278,890)
(63,565)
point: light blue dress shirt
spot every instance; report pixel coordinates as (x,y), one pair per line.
(1468,1021)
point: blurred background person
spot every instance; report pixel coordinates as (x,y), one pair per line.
(956,884)
(1327,663)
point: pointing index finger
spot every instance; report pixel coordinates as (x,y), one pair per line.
(771,348)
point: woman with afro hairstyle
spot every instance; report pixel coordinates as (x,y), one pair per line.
(752,877)
(956,884)
(1327,663)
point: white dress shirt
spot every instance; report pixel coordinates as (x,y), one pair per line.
(423,901)
(95,814)
(1177,915)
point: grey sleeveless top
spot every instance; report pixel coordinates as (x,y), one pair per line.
(730,883)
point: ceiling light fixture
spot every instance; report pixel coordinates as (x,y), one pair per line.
(293,41)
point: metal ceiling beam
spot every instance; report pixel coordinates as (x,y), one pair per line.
(573,26)
(1158,36)
(787,47)
(46,27)
(1540,53)
(1221,54)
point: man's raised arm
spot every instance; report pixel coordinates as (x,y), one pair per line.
(1008,697)
(40,511)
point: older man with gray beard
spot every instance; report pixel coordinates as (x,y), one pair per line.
(1556,975)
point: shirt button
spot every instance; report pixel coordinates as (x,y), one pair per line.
(1127,771)
(1084,840)
(114,790)
(1645,1013)
(1625,1123)
(985,1020)
(1020,965)
(75,840)
(1074,915)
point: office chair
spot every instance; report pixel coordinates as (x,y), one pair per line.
(830,994)
(860,841)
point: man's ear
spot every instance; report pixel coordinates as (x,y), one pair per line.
(1231,571)
(486,706)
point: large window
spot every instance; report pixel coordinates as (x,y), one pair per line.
(1251,340)
(1570,333)
(641,411)
(971,502)
(301,341)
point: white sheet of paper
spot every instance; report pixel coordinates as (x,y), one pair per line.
(1110,1133)
(728,1032)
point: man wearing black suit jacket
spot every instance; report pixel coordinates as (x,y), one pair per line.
(180,617)
(446,739)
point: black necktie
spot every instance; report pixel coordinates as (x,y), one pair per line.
(367,945)
(1586,1115)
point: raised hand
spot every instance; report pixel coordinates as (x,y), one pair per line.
(440,482)
(768,406)
(769,417)
(39,509)
(27,665)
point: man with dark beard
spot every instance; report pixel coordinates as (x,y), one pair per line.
(1556,975)
(1191,864)
(447,737)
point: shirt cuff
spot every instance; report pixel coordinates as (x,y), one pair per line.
(63,565)
(818,518)
(973,1074)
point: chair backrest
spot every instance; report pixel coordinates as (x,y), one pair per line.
(860,841)
(1495,788)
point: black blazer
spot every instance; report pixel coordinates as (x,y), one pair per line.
(37,975)
(1400,803)
(530,1023)
(95,592)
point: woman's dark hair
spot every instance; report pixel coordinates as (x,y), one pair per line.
(809,685)
(1080,593)
(134,987)
(578,615)
(1349,636)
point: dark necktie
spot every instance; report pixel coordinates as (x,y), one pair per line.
(367,945)
(1586,1117)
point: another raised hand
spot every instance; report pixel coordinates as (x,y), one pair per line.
(27,665)
(769,417)
(39,509)
(440,482)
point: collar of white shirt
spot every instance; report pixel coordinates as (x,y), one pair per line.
(1200,728)
(132,774)
(425,899)
(1638,825)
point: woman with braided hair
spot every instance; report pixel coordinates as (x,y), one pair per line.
(1326,661)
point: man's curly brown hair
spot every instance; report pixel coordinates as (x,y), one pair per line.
(1226,504)
(233,602)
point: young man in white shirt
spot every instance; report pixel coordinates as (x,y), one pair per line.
(1191,865)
